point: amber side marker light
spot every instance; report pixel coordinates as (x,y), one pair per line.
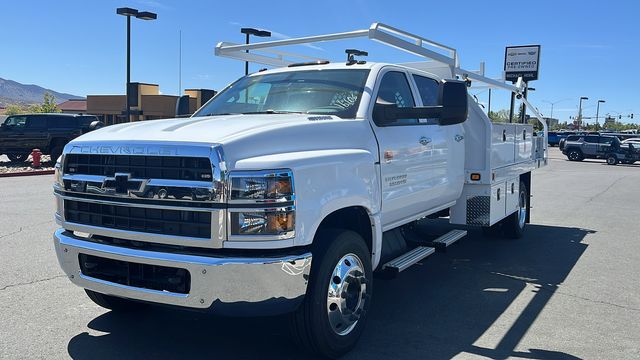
(475,177)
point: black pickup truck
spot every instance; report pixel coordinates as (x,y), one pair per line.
(20,134)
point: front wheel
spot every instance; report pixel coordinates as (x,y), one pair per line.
(575,155)
(612,160)
(332,316)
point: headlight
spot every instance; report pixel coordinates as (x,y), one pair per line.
(261,205)
(261,186)
(58,172)
(263,222)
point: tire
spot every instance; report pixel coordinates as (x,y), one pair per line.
(515,224)
(115,303)
(17,158)
(332,325)
(612,159)
(575,155)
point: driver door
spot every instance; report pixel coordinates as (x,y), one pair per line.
(413,162)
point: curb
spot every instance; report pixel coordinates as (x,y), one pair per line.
(27,173)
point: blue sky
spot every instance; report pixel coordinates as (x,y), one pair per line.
(589,48)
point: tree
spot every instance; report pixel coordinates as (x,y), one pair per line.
(48,105)
(499,116)
(15,109)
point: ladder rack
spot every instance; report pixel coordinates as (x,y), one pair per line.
(383,34)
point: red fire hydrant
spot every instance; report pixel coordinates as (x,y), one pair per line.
(36,154)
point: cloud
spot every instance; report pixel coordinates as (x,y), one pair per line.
(154,4)
(588,46)
(282,36)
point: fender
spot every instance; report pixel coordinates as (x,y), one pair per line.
(326,181)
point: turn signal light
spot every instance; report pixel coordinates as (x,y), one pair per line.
(475,177)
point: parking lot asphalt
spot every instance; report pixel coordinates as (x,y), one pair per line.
(568,289)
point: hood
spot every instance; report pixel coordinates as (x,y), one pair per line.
(244,136)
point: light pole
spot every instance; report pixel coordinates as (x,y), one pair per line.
(144,15)
(580,110)
(598,112)
(553,104)
(254,32)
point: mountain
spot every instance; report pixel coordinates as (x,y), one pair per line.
(13,92)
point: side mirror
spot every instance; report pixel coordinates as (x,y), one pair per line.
(451,109)
(454,101)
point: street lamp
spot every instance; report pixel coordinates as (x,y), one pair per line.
(580,110)
(598,112)
(143,15)
(553,104)
(254,32)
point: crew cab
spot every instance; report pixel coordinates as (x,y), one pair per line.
(288,189)
(20,134)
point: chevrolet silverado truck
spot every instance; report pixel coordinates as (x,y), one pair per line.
(288,189)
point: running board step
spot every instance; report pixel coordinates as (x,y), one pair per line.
(447,239)
(407,259)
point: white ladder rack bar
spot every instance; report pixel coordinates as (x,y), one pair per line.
(379,32)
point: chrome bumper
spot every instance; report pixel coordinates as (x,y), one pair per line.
(234,286)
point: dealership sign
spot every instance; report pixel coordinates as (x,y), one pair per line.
(521,61)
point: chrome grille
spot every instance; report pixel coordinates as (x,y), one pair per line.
(157,221)
(162,194)
(149,167)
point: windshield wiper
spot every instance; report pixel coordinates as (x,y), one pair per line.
(217,114)
(271,111)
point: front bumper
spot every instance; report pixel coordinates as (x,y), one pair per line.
(226,285)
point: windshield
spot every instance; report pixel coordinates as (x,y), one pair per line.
(327,92)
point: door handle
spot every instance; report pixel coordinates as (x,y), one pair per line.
(424,141)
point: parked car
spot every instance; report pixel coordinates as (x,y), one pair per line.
(569,138)
(20,134)
(633,141)
(587,147)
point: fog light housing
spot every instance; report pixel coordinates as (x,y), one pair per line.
(269,222)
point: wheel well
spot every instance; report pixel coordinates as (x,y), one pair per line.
(354,218)
(56,141)
(574,148)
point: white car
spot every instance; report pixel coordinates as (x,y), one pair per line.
(633,141)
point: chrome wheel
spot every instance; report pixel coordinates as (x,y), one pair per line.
(347,294)
(522,211)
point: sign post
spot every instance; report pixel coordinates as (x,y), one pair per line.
(524,62)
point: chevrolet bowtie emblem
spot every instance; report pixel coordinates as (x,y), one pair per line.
(459,138)
(122,183)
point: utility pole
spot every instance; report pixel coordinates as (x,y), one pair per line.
(598,113)
(580,110)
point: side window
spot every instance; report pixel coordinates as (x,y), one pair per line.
(606,140)
(62,122)
(428,89)
(591,139)
(16,121)
(36,122)
(394,89)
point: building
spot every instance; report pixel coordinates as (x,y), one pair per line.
(74,106)
(146,104)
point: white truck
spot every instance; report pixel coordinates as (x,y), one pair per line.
(286,191)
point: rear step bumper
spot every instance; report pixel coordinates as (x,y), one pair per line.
(413,256)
